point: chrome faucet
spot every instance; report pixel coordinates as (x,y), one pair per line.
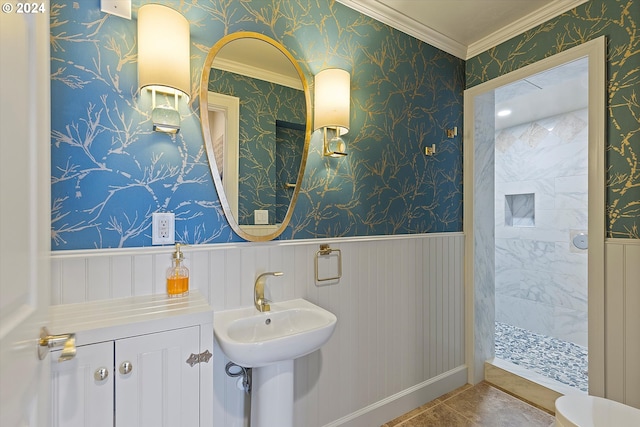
(261,303)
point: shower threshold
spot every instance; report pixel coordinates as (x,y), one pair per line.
(526,384)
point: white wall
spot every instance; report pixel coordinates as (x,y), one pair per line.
(541,278)
(399,341)
(479,220)
(622,334)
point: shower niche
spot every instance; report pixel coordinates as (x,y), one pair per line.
(519,210)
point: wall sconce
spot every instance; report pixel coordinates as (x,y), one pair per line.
(332,96)
(163,61)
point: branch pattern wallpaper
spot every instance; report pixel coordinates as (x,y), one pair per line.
(618,20)
(110,172)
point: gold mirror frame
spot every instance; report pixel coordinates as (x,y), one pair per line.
(206,133)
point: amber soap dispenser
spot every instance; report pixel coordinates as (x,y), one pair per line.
(177,275)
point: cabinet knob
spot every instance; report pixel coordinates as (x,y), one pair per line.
(125,368)
(101,374)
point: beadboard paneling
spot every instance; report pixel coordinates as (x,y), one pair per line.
(399,303)
(622,333)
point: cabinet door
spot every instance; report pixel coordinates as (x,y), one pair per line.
(161,388)
(79,399)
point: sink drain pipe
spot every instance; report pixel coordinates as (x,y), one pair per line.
(234,371)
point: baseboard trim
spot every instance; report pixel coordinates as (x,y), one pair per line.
(404,401)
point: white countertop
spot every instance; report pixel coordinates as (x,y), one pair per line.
(113,319)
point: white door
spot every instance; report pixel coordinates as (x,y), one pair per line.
(159,388)
(25,227)
(82,388)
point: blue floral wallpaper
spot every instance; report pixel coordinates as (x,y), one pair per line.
(619,21)
(110,172)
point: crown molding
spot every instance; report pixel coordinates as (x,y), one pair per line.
(383,13)
(404,23)
(521,25)
(257,73)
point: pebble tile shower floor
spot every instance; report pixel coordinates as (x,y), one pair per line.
(560,360)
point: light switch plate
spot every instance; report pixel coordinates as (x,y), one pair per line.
(121,8)
(261,216)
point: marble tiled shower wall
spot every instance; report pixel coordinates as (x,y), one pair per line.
(399,340)
(541,277)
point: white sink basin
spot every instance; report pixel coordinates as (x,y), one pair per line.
(290,330)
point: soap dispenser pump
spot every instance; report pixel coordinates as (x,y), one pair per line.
(178,275)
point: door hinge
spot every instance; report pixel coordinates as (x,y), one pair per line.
(194,359)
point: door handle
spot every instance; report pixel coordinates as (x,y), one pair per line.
(48,341)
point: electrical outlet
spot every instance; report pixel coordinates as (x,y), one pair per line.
(163,229)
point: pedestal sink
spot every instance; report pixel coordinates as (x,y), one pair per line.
(268,342)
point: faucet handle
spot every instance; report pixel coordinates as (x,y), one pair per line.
(262,304)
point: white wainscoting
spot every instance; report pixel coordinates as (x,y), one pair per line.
(400,307)
(622,333)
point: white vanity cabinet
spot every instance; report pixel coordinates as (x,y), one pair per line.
(78,399)
(142,361)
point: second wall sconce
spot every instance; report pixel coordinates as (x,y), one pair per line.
(332,95)
(163,61)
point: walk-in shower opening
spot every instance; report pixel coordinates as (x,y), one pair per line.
(540,206)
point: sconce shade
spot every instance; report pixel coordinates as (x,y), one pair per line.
(163,49)
(332,96)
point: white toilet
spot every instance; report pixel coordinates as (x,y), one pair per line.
(591,411)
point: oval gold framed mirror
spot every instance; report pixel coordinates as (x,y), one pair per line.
(255,111)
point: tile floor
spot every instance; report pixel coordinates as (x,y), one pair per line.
(481,405)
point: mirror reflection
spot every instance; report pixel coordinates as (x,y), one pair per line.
(256,129)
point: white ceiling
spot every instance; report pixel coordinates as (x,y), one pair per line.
(463,28)
(552,92)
